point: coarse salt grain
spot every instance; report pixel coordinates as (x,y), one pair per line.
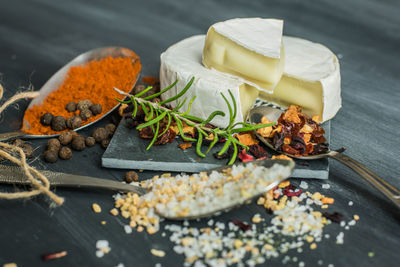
(128,229)
(326,186)
(157,252)
(96,208)
(350,203)
(303,185)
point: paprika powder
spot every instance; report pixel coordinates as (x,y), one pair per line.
(95,81)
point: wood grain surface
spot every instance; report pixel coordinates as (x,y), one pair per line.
(38,37)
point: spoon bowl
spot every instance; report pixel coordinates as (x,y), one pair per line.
(58,78)
(272,114)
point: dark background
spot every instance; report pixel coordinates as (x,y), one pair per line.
(38,37)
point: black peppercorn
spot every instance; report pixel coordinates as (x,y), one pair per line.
(58,123)
(131,176)
(96,109)
(46,119)
(104,143)
(85,114)
(65,153)
(65,138)
(83,104)
(78,143)
(90,141)
(100,134)
(50,156)
(74,122)
(53,144)
(129,122)
(71,107)
(110,128)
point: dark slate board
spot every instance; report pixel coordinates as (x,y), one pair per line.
(128,151)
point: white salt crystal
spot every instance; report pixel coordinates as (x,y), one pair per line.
(326,186)
(350,203)
(303,185)
(128,229)
(102,244)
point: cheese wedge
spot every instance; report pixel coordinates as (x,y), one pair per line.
(249,48)
(311,79)
(181,62)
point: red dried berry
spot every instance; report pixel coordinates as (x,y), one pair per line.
(243,226)
(244,157)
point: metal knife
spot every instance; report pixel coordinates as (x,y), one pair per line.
(15,175)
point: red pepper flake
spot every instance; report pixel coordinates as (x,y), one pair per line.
(52,256)
(290,191)
(262,158)
(334,217)
(244,157)
(243,226)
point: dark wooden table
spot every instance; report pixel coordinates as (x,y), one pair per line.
(38,37)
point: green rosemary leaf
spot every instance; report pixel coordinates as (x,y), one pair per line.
(179,105)
(239,143)
(234,104)
(161,92)
(193,118)
(231,118)
(168,124)
(135,108)
(123,101)
(180,128)
(212,116)
(144,91)
(189,106)
(198,145)
(215,140)
(181,93)
(144,108)
(234,155)
(245,124)
(151,112)
(225,147)
(252,128)
(153,121)
(155,134)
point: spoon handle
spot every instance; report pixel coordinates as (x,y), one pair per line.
(6,136)
(383,186)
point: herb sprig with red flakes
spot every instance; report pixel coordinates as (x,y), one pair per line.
(296,134)
(158,119)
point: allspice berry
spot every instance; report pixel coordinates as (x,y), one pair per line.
(74,122)
(58,123)
(90,141)
(28,150)
(50,156)
(65,138)
(18,142)
(100,134)
(71,107)
(53,144)
(65,153)
(96,109)
(131,176)
(46,119)
(85,114)
(104,143)
(110,128)
(78,143)
(83,104)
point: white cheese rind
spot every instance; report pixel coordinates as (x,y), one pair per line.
(311,79)
(263,36)
(181,62)
(250,49)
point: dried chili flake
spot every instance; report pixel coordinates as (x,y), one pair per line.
(292,191)
(185,145)
(242,225)
(334,217)
(244,157)
(52,256)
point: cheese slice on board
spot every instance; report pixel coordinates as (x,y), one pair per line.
(311,79)
(181,62)
(248,48)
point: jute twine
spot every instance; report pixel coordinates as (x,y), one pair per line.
(39,183)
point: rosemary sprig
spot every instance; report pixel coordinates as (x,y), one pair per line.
(155,113)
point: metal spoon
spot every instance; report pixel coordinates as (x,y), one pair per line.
(14,175)
(56,80)
(383,186)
